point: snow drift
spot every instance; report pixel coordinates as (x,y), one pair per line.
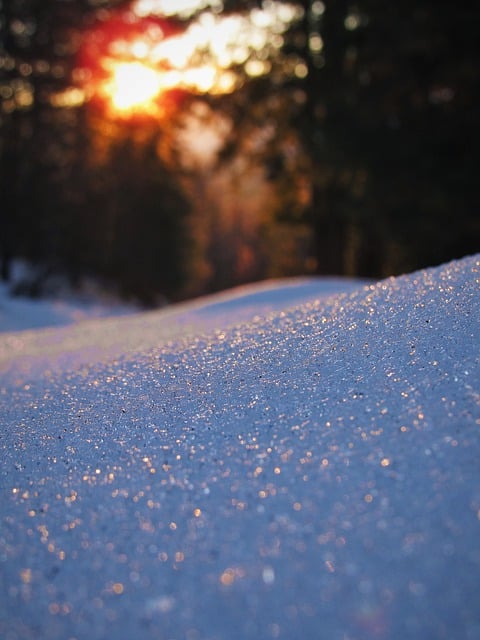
(310,472)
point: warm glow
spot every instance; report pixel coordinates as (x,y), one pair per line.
(69,98)
(133,86)
(183,8)
(133,60)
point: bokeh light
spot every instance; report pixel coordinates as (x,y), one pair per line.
(131,60)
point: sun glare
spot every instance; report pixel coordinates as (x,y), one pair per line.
(134,59)
(133,86)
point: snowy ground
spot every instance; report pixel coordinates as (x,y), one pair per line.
(273,463)
(62,307)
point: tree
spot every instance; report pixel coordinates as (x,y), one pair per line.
(36,51)
(357,121)
(392,132)
(143,240)
(120,217)
(383,98)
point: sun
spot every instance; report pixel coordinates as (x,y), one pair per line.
(119,74)
(133,87)
(139,65)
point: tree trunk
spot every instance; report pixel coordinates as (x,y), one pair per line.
(319,114)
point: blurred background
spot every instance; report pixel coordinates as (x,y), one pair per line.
(171,149)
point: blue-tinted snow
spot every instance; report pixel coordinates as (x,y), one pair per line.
(310,473)
(19,312)
(91,340)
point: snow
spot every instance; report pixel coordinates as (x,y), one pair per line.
(61,307)
(293,465)
(20,312)
(89,340)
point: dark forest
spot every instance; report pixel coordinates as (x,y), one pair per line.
(345,142)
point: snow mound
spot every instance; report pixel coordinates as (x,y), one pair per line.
(97,337)
(312,471)
(58,305)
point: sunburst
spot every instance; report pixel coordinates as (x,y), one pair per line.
(133,87)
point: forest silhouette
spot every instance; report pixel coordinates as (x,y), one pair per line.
(344,140)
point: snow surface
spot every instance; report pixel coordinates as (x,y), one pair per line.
(307,472)
(21,312)
(89,340)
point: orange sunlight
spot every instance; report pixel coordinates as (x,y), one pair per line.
(132,87)
(135,60)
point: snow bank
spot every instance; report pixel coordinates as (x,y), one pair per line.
(92,339)
(309,473)
(59,307)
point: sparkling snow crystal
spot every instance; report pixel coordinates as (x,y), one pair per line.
(307,471)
